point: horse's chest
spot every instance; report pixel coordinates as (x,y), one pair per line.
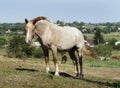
(46,40)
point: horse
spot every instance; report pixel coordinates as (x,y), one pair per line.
(56,38)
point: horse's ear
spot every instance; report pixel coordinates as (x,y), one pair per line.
(26,21)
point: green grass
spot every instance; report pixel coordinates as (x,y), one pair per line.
(30,73)
(98,63)
(91,62)
(106,36)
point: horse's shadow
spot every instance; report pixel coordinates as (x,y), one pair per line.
(26,69)
(94,81)
(63,74)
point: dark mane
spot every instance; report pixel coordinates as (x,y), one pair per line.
(38,19)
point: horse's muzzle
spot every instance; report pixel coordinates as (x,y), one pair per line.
(31,43)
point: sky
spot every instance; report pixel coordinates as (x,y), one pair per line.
(94,11)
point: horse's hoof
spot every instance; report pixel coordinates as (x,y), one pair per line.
(81,76)
(57,74)
(47,70)
(77,74)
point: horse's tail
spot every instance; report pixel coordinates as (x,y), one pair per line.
(87,50)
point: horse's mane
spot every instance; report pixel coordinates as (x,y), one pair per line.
(34,20)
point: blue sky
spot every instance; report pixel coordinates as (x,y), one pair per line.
(94,11)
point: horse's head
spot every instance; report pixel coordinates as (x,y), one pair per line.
(29,31)
(30,28)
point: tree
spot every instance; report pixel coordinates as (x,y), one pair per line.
(61,23)
(98,38)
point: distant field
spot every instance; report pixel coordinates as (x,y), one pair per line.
(30,73)
(106,36)
(115,35)
(112,35)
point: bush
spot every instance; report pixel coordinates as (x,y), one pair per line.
(38,53)
(103,50)
(19,54)
(18,48)
(2,42)
(112,41)
(28,50)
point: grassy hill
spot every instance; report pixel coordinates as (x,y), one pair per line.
(30,73)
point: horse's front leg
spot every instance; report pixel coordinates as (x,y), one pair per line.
(47,62)
(46,54)
(55,57)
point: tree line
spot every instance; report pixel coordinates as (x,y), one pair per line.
(11,26)
(90,27)
(84,27)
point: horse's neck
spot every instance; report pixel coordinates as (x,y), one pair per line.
(54,29)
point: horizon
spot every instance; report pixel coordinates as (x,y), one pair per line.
(88,11)
(65,22)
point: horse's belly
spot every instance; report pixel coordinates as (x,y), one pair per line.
(65,46)
(67,42)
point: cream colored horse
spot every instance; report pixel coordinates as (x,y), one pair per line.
(57,39)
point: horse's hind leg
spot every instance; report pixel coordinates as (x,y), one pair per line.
(75,62)
(81,66)
(80,55)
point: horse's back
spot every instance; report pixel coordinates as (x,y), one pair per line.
(72,33)
(69,37)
